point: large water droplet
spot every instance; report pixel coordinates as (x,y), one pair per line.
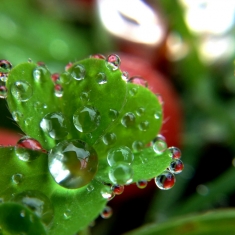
(139,81)
(165,181)
(175,153)
(5,66)
(114,62)
(39,73)
(176,166)
(121,173)
(107,212)
(17,178)
(117,189)
(73,163)
(101,78)
(78,72)
(67,214)
(38,203)
(107,192)
(142,184)
(86,119)
(109,138)
(58,90)
(128,119)
(159,146)
(3,92)
(113,114)
(54,125)
(21,90)
(120,154)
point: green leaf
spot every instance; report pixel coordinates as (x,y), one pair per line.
(16,219)
(211,223)
(74,209)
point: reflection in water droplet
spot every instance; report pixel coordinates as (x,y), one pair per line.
(17,178)
(107,212)
(68,66)
(142,184)
(175,153)
(38,203)
(143,126)
(78,72)
(139,81)
(176,166)
(120,154)
(113,114)
(55,77)
(137,145)
(28,121)
(125,76)
(98,56)
(58,90)
(54,125)
(5,66)
(73,163)
(114,62)
(157,114)
(3,92)
(86,119)
(21,90)
(109,138)
(128,120)
(16,115)
(39,73)
(165,181)
(117,189)
(107,192)
(160,99)
(159,146)
(101,78)
(121,173)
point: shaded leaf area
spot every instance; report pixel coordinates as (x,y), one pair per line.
(146,165)
(211,223)
(73,209)
(16,219)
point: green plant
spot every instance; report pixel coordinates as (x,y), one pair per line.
(89,131)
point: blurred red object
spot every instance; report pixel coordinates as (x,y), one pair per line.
(8,137)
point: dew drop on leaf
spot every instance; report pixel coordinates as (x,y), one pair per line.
(16,115)
(165,181)
(3,92)
(67,214)
(125,76)
(17,178)
(21,90)
(65,78)
(139,81)
(159,146)
(120,154)
(140,111)
(84,97)
(78,72)
(117,189)
(114,62)
(128,119)
(109,138)
(142,184)
(58,90)
(113,114)
(101,78)
(133,91)
(143,126)
(176,166)
(55,77)
(86,119)
(73,163)
(175,153)
(106,213)
(107,192)
(5,65)
(137,145)
(54,125)
(39,73)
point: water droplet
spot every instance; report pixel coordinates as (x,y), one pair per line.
(16,115)
(84,97)
(113,114)
(68,66)
(125,76)
(58,90)
(157,114)
(107,212)
(3,77)
(140,111)
(139,81)
(65,78)
(21,90)
(176,166)
(158,137)
(113,62)
(160,99)
(86,119)
(121,173)
(73,163)
(67,214)
(159,146)
(38,203)
(17,178)
(22,213)
(107,193)
(90,188)
(41,64)
(55,77)
(54,125)
(133,91)
(137,145)
(120,154)
(39,73)
(165,181)
(101,78)
(143,126)
(117,189)
(98,56)
(28,121)
(109,138)
(142,184)
(128,119)
(175,153)
(78,72)
(5,66)
(3,92)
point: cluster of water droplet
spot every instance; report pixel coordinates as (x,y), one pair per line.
(5,67)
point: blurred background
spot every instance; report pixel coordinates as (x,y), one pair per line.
(184,48)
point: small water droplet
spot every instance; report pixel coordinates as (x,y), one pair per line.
(142,184)
(21,90)
(137,145)
(109,138)
(114,62)
(175,153)
(139,81)
(3,92)
(38,203)
(133,91)
(121,173)
(67,214)
(22,213)
(17,178)
(128,119)
(113,114)
(55,77)
(140,111)
(86,119)
(101,78)
(54,125)
(158,137)
(157,114)
(165,181)
(73,163)
(120,154)
(143,126)
(107,192)
(125,76)
(58,90)
(5,66)
(28,121)
(84,97)
(176,166)
(90,188)
(160,99)
(65,78)
(39,73)
(68,66)
(107,212)
(117,189)
(159,146)
(16,115)
(78,72)
(98,56)
(3,77)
